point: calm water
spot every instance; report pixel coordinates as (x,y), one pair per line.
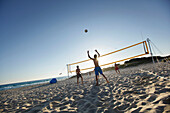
(22,84)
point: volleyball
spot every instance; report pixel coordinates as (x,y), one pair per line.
(85,30)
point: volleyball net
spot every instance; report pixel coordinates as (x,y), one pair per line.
(111,58)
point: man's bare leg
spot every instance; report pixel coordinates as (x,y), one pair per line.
(105,78)
(82,80)
(77,81)
(119,71)
(97,80)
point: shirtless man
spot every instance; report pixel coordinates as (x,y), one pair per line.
(79,75)
(97,67)
(117,68)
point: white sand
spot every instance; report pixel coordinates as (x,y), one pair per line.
(137,89)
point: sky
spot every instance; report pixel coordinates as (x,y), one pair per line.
(39,37)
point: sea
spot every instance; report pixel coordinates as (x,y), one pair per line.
(28,83)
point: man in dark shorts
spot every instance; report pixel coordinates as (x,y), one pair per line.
(79,75)
(97,67)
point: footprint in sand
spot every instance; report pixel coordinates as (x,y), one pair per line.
(136,110)
(151,98)
(128,99)
(117,103)
(132,105)
(141,103)
(143,96)
(163,90)
(160,109)
(123,106)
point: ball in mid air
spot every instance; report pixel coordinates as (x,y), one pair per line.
(85,30)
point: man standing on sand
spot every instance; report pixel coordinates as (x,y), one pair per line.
(116,68)
(79,75)
(97,67)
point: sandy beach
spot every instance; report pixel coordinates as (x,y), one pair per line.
(140,89)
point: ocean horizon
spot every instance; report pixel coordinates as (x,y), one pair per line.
(28,83)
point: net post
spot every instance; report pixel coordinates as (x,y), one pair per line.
(146,48)
(148,40)
(68,70)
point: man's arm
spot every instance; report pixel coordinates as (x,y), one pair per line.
(97,53)
(76,71)
(79,71)
(89,55)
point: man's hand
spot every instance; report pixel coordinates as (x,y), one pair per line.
(89,55)
(97,53)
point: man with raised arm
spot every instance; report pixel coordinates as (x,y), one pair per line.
(97,67)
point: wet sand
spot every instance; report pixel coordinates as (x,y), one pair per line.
(144,88)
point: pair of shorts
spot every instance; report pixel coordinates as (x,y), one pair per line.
(78,75)
(98,70)
(116,68)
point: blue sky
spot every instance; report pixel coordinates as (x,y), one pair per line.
(39,37)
